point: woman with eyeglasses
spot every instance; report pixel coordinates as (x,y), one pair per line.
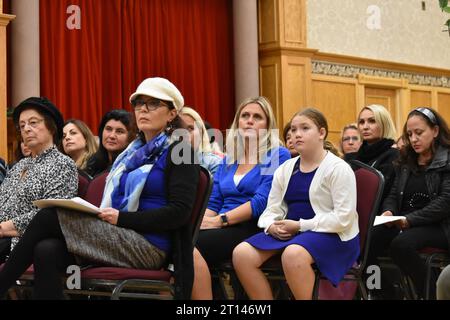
(46,173)
(350,139)
(144,217)
(115,132)
(420,193)
(378,132)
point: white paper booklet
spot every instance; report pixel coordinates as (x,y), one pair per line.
(386,219)
(75,204)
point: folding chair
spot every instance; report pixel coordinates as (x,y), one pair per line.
(369,188)
(134,283)
(435,260)
(94,192)
(83,184)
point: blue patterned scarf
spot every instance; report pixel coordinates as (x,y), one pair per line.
(136,162)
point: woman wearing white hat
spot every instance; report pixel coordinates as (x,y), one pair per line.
(142,220)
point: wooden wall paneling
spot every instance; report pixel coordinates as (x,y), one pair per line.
(420,97)
(268,23)
(337,100)
(293,30)
(4,21)
(444,104)
(386,97)
(270,83)
(296,81)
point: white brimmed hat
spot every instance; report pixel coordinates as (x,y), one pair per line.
(160,88)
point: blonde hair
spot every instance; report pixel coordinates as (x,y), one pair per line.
(234,141)
(91,144)
(383,119)
(204,145)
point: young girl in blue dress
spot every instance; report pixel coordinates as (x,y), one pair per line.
(310,217)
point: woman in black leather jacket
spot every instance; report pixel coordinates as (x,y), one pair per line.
(421,193)
(378,133)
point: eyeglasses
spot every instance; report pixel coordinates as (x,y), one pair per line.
(347,139)
(33,123)
(151,105)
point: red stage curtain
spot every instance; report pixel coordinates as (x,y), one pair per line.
(89,71)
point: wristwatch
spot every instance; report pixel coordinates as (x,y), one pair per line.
(224,218)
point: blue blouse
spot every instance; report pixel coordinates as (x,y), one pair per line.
(253,187)
(153,196)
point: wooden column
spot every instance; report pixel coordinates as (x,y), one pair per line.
(284,60)
(4,21)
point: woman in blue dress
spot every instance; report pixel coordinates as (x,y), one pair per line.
(241,187)
(310,217)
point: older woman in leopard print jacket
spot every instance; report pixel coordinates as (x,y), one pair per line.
(47,173)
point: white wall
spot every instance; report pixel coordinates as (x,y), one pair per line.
(407,34)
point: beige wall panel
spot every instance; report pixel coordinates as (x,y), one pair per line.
(3,91)
(338,103)
(4,21)
(267,22)
(294,95)
(269,75)
(294,17)
(444,105)
(385,97)
(420,98)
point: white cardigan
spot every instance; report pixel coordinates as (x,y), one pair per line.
(332,195)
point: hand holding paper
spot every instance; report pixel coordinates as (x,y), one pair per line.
(75,204)
(385,219)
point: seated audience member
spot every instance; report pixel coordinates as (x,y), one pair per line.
(215,140)
(378,132)
(78,142)
(146,205)
(310,217)
(114,136)
(421,193)
(287,136)
(3,170)
(399,143)
(350,139)
(47,173)
(241,187)
(21,152)
(199,139)
(443,285)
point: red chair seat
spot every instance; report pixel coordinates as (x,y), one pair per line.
(430,250)
(111,273)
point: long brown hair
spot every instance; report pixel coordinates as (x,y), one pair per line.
(432,118)
(91,144)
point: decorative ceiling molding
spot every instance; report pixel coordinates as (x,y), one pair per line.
(352,71)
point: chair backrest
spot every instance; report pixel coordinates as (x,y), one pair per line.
(95,189)
(83,184)
(369,188)
(204,189)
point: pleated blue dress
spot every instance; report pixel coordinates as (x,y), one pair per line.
(332,256)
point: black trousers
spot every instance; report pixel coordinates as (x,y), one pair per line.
(5,248)
(217,245)
(43,245)
(403,248)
